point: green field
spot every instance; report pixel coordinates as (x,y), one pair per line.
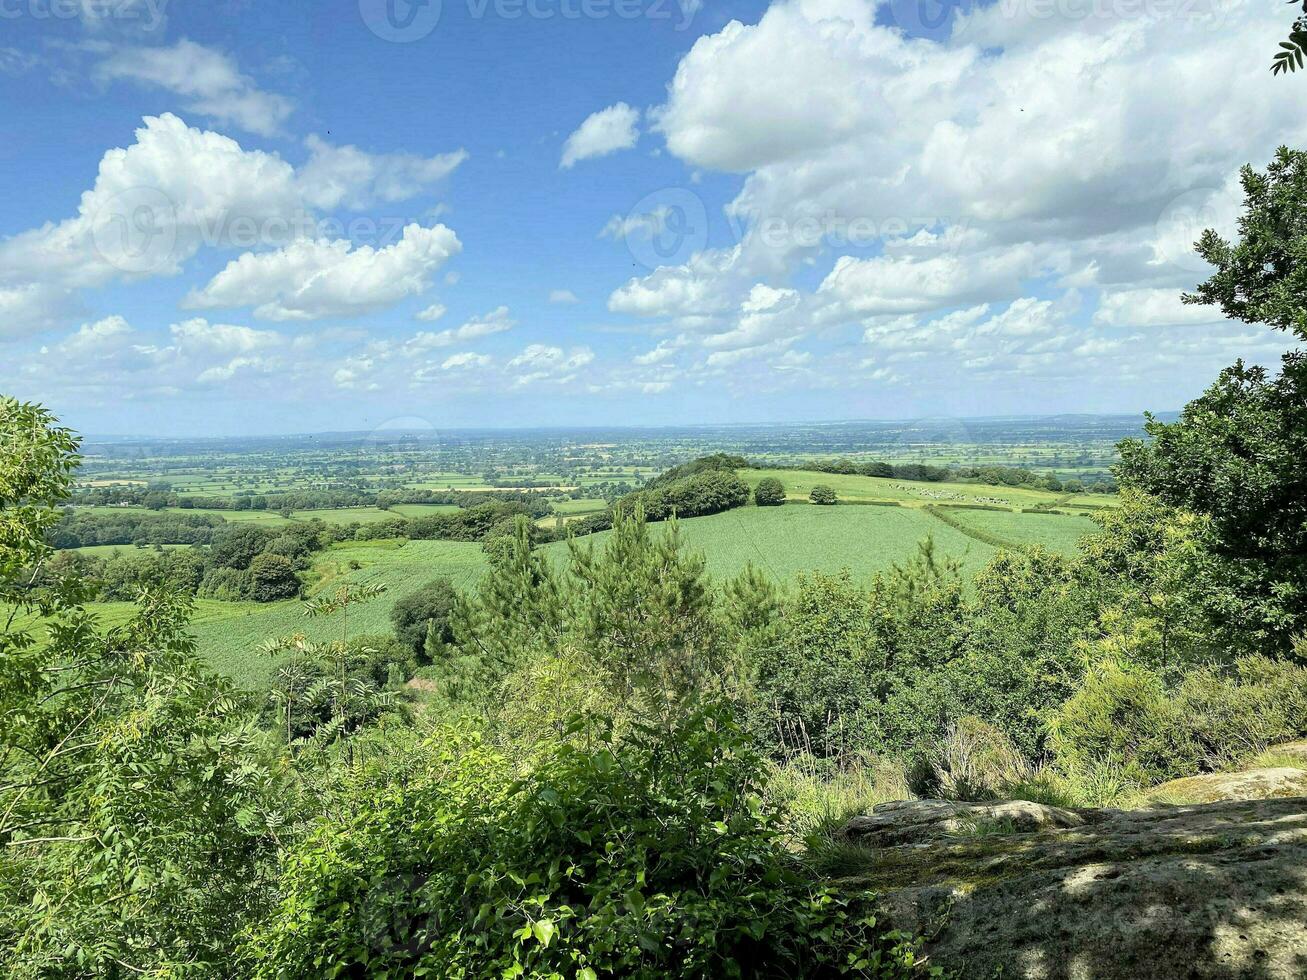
(585,505)
(785,541)
(338,515)
(799,483)
(105,550)
(230,642)
(1057,532)
(782,541)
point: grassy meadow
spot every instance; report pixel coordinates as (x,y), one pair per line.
(782,541)
(854,489)
(270,518)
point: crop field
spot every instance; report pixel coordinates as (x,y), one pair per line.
(1057,532)
(799,483)
(104,550)
(1091,501)
(785,541)
(229,639)
(782,541)
(338,515)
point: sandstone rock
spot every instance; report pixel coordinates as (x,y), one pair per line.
(1251,784)
(918,821)
(1216,890)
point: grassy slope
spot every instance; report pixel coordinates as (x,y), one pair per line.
(1057,532)
(798,483)
(340,515)
(783,541)
(229,641)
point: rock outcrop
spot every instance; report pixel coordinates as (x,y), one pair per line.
(1215,890)
(1251,784)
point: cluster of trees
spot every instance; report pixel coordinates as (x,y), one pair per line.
(251,562)
(708,485)
(77,528)
(157,496)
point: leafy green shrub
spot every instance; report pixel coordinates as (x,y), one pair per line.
(822,494)
(1211,720)
(421,618)
(652,858)
(228,584)
(1234,717)
(273,577)
(1124,714)
(769,492)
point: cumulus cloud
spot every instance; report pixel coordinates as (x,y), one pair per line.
(177,190)
(496,321)
(927,177)
(563,296)
(345,176)
(206,78)
(1150,308)
(465,361)
(308,280)
(153,205)
(113,356)
(603,132)
(542,363)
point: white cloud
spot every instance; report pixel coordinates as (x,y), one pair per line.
(1036,143)
(200,333)
(92,338)
(308,280)
(208,79)
(336,176)
(31,307)
(541,363)
(153,205)
(563,296)
(700,287)
(465,361)
(664,350)
(432,313)
(902,284)
(157,202)
(1150,308)
(603,132)
(496,321)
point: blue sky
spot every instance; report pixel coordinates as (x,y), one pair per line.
(253,218)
